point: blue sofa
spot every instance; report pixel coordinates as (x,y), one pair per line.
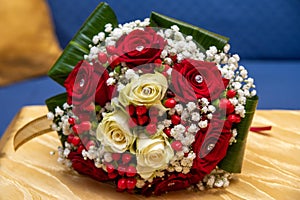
(266,34)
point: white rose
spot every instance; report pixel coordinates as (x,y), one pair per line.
(113,132)
(152,154)
(148,90)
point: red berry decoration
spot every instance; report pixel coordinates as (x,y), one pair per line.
(141,110)
(89,144)
(234,118)
(131,171)
(110,168)
(116,156)
(85,126)
(175,119)
(121,170)
(158,61)
(112,175)
(102,57)
(75,140)
(130,183)
(230,108)
(126,158)
(231,93)
(71,121)
(176,145)
(151,129)
(170,103)
(80,148)
(167,131)
(227,105)
(122,184)
(142,120)
(131,110)
(110,49)
(70,138)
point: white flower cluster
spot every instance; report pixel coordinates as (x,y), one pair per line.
(61,117)
(238,76)
(180,45)
(216,179)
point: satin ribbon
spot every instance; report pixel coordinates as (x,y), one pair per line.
(259,129)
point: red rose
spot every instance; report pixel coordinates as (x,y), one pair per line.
(87,167)
(139,47)
(193,79)
(176,181)
(86,84)
(211,147)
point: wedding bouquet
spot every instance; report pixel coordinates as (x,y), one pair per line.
(152,106)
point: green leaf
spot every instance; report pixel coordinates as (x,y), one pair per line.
(78,46)
(203,37)
(234,158)
(55,101)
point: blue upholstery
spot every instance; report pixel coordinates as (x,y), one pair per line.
(258,29)
(265,33)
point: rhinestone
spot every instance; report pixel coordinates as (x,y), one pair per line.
(139,48)
(199,79)
(210,147)
(81,83)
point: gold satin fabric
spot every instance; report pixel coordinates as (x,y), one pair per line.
(271,167)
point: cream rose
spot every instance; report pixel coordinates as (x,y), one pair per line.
(148,89)
(152,154)
(114,133)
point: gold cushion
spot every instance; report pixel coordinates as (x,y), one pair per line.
(28,46)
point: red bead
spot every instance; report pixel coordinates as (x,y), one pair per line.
(151,129)
(176,145)
(226,104)
(158,61)
(234,118)
(116,156)
(131,110)
(89,144)
(170,103)
(110,168)
(131,171)
(113,61)
(141,110)
(80,148)
(175,119)
(126,158)
(112,175)
(130,183)
(167,131)
(71,121)
(75,140)
(142,120)
(86,126)
(110,49)
(102,57)
(121,170)
(174,58)
(70,138)
(231,93)
(122,184)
